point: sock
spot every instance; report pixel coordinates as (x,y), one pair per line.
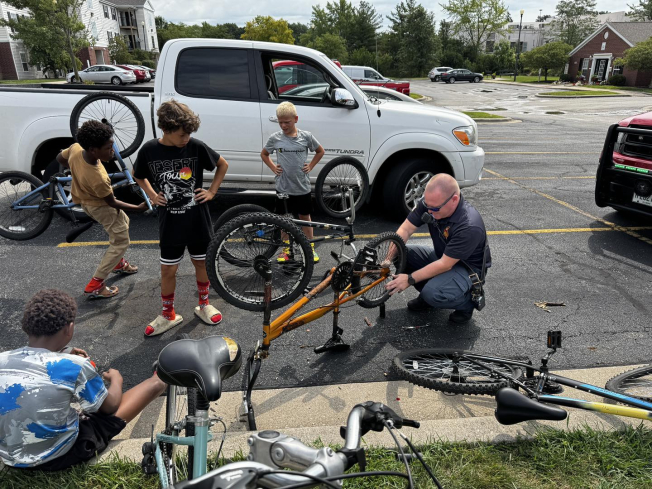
(94,284)
(168,306)
(202,288)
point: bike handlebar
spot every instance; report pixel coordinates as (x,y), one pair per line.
(271,451)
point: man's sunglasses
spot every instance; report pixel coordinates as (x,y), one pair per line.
(435,209)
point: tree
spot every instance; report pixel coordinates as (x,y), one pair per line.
(575,20)
(331,45)
(118,50)
(336,18)
(362,57)
(542,18)
(298,29)
(639,57)
(414,30)
(266,28)
(53,32)
(642,11)
(366,22)
(475,20)
(553,55)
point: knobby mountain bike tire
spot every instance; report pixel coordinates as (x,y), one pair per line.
(443,370)
(335,179)
(634,383)
(371,267)
(115,110)
(22,224)
(233,251)
(234,212)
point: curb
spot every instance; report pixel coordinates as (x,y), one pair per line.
(579,96)
(503,119)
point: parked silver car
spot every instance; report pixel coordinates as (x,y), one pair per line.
(105,74)
(435,73)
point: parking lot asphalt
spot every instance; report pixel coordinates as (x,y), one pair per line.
(549,242)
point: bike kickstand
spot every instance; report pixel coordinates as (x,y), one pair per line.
(334,343)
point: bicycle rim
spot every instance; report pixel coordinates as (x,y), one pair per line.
(23,223)
(635,383)
(370,268)
(444,370)
(234,251)
(341,178)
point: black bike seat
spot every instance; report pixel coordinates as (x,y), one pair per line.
(513,407)
(203,364)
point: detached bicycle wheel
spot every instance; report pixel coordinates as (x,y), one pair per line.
(21,224)
(635,383)
(246,241)
(115,110)
(335,180)
(444,370)
(387,250)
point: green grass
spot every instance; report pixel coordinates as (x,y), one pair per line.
(566,460)
(614,87)
(579,93)
(483,115)
(528,79)
(29,82)
(416,95)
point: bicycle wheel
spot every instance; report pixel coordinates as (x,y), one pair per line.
(21,224)
(335,179)
(117,111)
(180,402)
(240,242)
(635,383)
(54,168)
(368,265)
(443,370)
(234,212)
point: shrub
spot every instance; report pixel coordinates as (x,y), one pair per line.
(567,78)
(135,62)
(149,63)
(617,80)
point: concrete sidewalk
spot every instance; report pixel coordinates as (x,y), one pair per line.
(316,413)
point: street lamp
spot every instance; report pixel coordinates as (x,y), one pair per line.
(518,44)
(144,36)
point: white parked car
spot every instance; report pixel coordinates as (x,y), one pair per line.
(105,74)
(435,73)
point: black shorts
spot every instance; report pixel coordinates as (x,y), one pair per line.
(296,205)
(173,254)
(95,432)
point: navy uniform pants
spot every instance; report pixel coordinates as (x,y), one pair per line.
(449,290)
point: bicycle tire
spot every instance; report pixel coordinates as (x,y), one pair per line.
(633,383)
(237,211)
(338,176)
(250,236)
(436,367)
(13,186)
(378,295)
(91,108)
(190,428)
(52,169)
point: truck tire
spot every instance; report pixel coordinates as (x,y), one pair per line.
(405,184)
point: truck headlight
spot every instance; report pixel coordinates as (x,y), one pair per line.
(466,135)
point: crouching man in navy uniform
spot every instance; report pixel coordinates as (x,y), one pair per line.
(444,274)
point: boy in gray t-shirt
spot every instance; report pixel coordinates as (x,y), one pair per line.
(291,146)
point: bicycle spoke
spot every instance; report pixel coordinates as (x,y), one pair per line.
(21,220)
(443,368)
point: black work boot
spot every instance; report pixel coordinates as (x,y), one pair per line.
(460,317)
(418,304)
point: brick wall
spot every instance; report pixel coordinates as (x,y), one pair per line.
(7,66)
(88,54)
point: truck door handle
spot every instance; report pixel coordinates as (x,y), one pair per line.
(272,119)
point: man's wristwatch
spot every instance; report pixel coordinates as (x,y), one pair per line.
(411,280)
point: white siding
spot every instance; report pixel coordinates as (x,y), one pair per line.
(102,24)
(17,47)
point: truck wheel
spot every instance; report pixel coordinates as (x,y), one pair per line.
(405,184)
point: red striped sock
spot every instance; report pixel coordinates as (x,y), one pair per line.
(202,288)
(168,306)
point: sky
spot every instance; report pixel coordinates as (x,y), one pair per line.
(222,11)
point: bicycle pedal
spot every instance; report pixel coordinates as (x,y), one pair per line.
(45,205)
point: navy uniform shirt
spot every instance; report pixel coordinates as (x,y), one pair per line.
(461,236)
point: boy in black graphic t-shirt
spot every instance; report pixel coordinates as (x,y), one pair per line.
(174,164)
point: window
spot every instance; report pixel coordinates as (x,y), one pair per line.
(603,47)
(89,3)
(296,80)
(153,45)
(106,12)
(585,64)
(372,74)
(9,16)
(94,31)
(213,72)
(23,60)
(114,15)
(490,46)
(109,35)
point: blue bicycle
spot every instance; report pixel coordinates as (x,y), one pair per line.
(27,204)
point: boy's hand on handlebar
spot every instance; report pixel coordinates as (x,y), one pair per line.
(159,199)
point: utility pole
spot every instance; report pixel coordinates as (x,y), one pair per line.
(518,44)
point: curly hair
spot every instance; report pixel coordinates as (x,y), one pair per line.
(48,312)
(93,134)
(173,115)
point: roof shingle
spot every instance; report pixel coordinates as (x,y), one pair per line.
(634,32)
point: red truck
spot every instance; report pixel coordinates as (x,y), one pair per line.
(624,177)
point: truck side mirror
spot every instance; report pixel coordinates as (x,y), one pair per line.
(341,97)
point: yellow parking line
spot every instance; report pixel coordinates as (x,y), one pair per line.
(506,232)
(541,178)
(630,231)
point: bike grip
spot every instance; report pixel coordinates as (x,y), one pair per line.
(411,423)
(148,212)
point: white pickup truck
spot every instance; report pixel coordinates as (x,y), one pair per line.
(233,87)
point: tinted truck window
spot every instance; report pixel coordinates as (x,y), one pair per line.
(213,73)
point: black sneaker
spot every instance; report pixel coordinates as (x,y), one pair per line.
(460,317)
(418,304)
